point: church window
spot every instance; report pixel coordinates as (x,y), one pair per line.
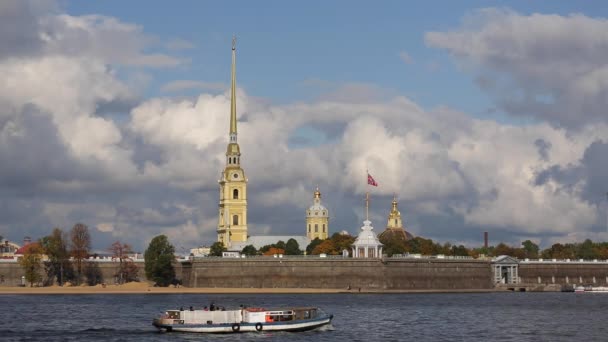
(323,228)
(395,222)
(316,228)
(324,213)
(316,213)
(235,194)
(235,220)
(309,228)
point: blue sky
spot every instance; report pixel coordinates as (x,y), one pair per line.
(283,44)
(479,115)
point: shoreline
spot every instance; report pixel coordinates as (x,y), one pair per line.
(146,289)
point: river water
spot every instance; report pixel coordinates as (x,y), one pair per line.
(357,317)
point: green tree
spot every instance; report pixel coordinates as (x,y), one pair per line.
(392,244)
(79,248)
(58,266)
(530,249)
(586,250)
(249,250)
(159,259)
(31,261)
(217,249)
(292,247)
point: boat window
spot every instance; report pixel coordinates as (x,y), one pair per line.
(173,314)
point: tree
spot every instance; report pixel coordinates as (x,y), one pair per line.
(292,247)
(530,249)
(393,244)
(325,247)
(80,245)
(217,249)
(31,261)
(159,261)
(127,270)
(58,267)
(93,273)
(249,250)
(312,245)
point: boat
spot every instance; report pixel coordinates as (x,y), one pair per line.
(242,320)
(591,289)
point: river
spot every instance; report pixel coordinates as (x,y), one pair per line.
(357,317)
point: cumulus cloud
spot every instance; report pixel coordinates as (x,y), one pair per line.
(549,67)
(64,160)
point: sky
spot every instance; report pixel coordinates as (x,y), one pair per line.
(477,115)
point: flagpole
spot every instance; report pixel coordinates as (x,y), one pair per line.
(367,195)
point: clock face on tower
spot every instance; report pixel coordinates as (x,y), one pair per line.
(235,175)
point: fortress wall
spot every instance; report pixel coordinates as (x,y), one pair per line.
(393,274)
(564,273)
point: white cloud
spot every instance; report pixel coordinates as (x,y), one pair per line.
(405,57)
(546,66)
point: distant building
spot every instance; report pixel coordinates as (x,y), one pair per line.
(317,219)
(8,249)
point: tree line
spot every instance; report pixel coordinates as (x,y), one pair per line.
(63,257)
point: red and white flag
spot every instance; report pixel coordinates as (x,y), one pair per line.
(371,181)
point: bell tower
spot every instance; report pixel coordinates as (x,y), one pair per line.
(232,224)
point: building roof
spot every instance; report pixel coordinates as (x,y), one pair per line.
(22,250)
(398,233)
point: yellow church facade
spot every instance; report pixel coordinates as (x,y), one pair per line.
(232,225)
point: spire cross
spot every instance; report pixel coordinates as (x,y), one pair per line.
(233,42)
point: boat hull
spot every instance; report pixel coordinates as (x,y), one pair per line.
(228,328)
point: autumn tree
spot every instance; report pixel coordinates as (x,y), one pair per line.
(325,247)
(58,266)
(127,270)
(31,261)
(80,245)
(159,259)
(274,250)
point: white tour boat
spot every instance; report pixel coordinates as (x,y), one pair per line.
(242,320)
(591,289)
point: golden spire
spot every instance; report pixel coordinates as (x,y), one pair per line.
(394,209)
(233,91)
(317,193)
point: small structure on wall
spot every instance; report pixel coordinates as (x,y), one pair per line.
(367,244)
(505,270)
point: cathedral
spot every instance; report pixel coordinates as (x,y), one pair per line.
(232,224)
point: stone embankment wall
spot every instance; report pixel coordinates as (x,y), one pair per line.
(11,272)
(564,273)
(379,274)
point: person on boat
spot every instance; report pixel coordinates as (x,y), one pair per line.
(212,307)
(205,308)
